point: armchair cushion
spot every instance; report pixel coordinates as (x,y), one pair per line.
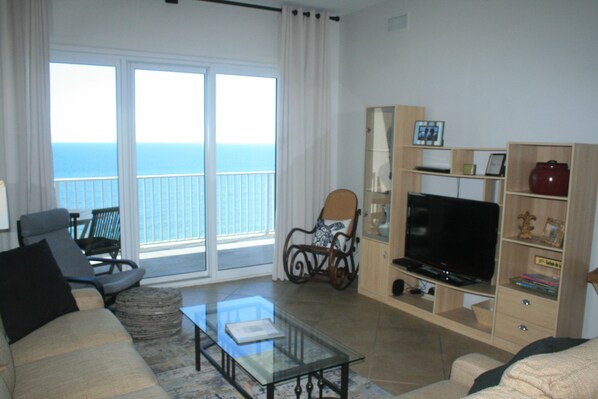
(325,231)
(33,291)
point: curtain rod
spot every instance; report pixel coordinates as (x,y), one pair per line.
(254,6)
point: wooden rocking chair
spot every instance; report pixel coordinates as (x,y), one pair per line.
(332,247)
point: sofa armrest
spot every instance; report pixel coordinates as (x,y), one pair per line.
(467,368)
(88,298)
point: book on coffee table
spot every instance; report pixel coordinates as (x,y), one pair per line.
(244,332)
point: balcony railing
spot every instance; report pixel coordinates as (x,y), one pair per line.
(172,207)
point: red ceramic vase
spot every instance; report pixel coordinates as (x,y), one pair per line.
(550,178)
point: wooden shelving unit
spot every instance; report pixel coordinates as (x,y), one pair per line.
(520,316)
(449,309)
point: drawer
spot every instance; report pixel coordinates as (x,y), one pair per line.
(518,331)
(528,308)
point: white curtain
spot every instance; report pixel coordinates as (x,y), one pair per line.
(25,144)
(303,143)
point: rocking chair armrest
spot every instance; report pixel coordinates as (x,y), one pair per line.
(87,280)
(298,229)
(112,261)
(287,241)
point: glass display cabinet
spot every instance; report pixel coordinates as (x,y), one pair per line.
(378,172)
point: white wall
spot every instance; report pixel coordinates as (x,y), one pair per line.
(191,28)
(494,70)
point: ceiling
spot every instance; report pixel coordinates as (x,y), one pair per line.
(336,7)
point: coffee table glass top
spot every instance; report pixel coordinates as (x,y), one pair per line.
(302,350)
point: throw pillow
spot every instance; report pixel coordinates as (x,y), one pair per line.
(325,231)
(33,291)
(545,345)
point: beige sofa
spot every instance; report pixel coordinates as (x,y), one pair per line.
(83,354)
(569,374)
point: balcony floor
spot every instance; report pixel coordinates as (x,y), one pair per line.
(180,259)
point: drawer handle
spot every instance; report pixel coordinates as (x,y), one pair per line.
(525,302)
(522,327)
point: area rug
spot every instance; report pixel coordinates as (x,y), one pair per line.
(173,361)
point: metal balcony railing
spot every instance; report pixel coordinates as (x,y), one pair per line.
(172,207)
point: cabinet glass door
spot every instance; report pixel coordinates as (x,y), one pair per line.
(378,172)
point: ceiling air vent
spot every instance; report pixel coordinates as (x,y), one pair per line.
(397,23)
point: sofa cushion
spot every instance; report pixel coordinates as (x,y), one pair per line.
(32,290)
(544,345)
(103,371)
(88,298)
(73,331)
(567,374)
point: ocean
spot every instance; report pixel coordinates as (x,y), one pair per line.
(173,208)
(100,160)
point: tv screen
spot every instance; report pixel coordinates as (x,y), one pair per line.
(453,235)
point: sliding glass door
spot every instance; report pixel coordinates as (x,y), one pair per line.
(245,165)
(187,153)
(169,132)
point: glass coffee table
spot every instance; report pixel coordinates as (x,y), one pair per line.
(302,351)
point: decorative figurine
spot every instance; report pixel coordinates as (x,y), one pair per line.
(526,226)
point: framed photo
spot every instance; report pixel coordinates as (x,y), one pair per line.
(430,133)
(554,232)
(496,165)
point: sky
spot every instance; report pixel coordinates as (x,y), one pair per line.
(168,106)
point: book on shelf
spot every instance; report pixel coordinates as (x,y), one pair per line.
(535,286)
(244,332)
(541,279)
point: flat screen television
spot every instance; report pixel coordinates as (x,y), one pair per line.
(452,236)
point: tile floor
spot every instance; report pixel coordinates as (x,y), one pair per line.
(402,352)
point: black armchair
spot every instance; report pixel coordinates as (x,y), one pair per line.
(53,226)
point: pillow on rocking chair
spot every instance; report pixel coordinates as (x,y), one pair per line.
(325,231)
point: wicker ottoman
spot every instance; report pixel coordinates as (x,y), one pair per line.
(149,312)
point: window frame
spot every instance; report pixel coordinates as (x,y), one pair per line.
(125,63)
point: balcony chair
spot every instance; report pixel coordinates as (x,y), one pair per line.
(331,244)
(104,234)
(53,226)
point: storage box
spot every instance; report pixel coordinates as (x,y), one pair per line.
(484,311)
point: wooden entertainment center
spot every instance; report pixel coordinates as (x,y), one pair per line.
(520,316)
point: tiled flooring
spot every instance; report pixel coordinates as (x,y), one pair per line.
(402,352)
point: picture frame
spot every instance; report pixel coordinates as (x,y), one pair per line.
(496,164)
(429,133)
(554,232)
